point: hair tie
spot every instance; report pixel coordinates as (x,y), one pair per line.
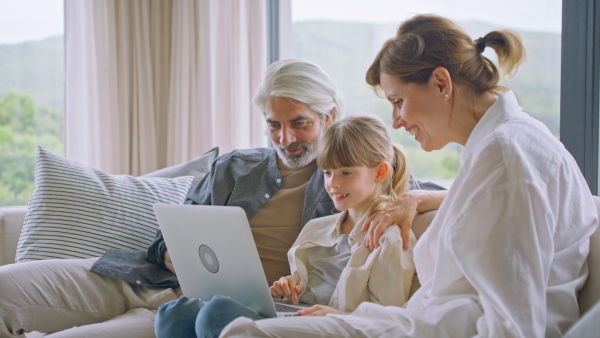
(480,45)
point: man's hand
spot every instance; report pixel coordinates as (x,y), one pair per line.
(168,261)
(319,310)
(402,213)
(286,287)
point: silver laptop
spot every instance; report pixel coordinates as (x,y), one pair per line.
(214,253)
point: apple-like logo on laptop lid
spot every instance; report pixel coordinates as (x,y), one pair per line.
(208,258)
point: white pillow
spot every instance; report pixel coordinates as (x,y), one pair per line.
(80,212)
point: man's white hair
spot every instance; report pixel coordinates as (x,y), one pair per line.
(304,82)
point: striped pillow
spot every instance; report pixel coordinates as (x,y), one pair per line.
(80,212)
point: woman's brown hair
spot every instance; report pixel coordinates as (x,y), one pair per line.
(426,42)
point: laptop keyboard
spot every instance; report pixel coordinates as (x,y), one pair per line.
(286,308)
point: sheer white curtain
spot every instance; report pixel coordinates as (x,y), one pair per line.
(155,83)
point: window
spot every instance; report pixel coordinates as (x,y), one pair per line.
(31,91)
(343,37)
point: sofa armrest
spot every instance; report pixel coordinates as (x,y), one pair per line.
(11,222)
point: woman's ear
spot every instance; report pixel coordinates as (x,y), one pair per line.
(382,169)
(442,81)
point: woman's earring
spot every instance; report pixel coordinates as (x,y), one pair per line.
(446,95)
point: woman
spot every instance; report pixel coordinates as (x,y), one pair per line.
(506,253)
(363,172)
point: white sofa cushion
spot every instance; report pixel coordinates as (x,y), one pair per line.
(11,222)
(80,212)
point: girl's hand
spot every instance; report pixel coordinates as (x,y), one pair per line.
(319,310)
(286,287)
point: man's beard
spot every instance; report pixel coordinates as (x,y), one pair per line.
(305,158)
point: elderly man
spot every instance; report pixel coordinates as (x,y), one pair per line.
(280,189)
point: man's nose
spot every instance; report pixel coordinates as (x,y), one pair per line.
(287,136)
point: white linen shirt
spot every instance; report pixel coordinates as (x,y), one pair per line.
(382,276)
(506,252)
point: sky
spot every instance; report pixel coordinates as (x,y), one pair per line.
(27,20)
(537,15)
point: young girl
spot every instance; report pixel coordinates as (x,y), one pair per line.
(364,172)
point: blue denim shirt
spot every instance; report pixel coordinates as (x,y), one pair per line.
(247,178)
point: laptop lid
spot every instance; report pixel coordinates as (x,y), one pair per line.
(214,253)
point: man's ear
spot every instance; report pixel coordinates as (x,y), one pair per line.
(382,170)
(327,120)
(442,81)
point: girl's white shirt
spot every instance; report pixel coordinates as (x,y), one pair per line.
(506,253)
(382,276)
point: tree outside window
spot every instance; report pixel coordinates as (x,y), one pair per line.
(343,37)
(31,91)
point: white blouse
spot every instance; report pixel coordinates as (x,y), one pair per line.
(381,276)
(506,252)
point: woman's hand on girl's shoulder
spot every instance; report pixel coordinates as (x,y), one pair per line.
(401,212)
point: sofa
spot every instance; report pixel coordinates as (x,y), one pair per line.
(93,211)
(12,219)
(11,222)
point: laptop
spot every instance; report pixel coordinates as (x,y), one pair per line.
(214,253)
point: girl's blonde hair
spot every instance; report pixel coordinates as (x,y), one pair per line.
(364,141)
(426,42)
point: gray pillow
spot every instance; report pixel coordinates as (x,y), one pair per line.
(197,167)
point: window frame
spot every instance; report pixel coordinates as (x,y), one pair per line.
(580,89)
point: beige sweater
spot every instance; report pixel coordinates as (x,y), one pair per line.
(382,276)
